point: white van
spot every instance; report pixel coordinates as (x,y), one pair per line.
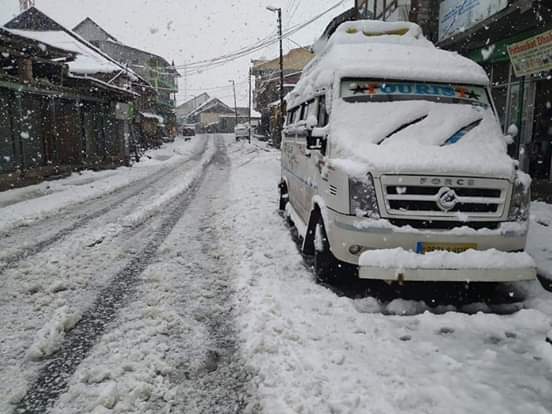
(394,165)
(241,131)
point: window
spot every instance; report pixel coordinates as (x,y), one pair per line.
(322,112)
(295,115)
(289,117)
(304,109)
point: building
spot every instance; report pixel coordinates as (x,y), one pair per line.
(60,107)
(215,116)
(156,70)
(207,115)
(267,86)
(183,110)
(512,40)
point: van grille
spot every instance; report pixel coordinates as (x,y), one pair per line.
(444,197)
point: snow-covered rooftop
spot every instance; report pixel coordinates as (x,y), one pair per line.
(88,60)
(150,115)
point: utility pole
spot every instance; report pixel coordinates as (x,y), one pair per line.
(235,100)
(281,120)
(250,105)
(26,4)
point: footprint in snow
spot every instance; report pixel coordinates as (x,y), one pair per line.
(213,358)
(444,331)
(493,340)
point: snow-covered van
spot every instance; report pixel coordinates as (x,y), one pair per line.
(394,163)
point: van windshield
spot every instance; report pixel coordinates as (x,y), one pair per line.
(366,90)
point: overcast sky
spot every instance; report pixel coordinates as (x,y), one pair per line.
(190,30)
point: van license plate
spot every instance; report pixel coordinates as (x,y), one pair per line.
(423,247)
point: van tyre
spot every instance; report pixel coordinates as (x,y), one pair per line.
(283,196)
(326,267)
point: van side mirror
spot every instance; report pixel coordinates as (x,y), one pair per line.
(513,130)
(315,140)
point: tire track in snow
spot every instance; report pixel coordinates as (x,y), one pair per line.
(53,377)
(222,385)
(133,190)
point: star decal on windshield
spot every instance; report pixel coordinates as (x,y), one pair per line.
(473,95)
(364,89)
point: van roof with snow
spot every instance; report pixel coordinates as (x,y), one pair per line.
(384,50)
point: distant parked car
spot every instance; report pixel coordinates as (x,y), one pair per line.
(241,131)
(188,133)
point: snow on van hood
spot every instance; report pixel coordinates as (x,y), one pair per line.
(363,139)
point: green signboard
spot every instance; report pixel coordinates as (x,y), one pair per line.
(532,55)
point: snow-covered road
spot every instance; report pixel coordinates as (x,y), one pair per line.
(175,287)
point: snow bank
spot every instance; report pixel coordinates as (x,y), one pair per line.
(360,133)
(46,198)
(50,337)
(471,259)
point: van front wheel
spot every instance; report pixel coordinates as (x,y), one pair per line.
(284,197)
(326,266)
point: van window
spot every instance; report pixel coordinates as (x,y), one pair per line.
(301,112)
(322,112)
(310,109)
(296,114)
(288,117)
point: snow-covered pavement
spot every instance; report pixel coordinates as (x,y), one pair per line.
(175,286)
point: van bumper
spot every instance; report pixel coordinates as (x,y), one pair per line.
(372,235)
(404,274)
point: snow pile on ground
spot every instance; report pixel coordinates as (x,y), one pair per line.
(50,337)
(133,367)
(315,352)
(32,203)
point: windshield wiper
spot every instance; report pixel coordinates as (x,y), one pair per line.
(402,127)
(458,135)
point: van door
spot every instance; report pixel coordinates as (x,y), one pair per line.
(290,162)
(313,165)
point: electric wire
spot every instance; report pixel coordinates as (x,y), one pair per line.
(201,66)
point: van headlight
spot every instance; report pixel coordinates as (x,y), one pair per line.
(363,199)
(521,199)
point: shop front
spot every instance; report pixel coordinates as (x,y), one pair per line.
(514,45)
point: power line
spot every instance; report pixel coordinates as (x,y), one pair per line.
(214,88)
(198,67)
